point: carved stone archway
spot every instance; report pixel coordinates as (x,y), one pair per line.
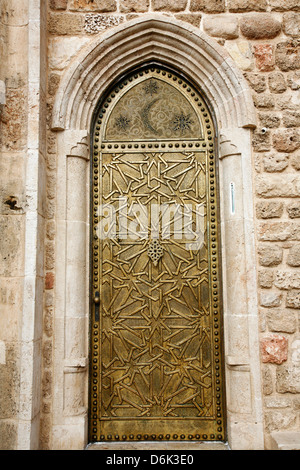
(98,65)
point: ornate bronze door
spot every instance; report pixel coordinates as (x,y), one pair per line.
(156,327)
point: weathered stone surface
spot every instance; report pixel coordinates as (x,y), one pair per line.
(287,280)
(49,281)
(102,6)
(285,5)
(282,321)
(278,185)
(240,51)
(291,24)
(269,209)
(11,246)
(270,299)
(293,298)
(288,55)
(267,381)
(222,26)
(295,161)
(265,278)
(256,81)
(13,120)
(293,210)
(270,255)
(275,162)
(277,83)
(65,24)
(134,6)
(260,26)
(288,379)
(261,140)
(264,101)
(264,55)
(192,18)
(58,4)
(247,5)
(269,120)
(169,5)
(293,80)
(274,349)
(294,256)
(286,140)
(278,231)
(208,6)
(291,118)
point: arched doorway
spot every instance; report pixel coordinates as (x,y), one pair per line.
(182,47)
(156,354)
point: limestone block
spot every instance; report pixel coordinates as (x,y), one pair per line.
(288,379)
(241,53)
(264,55)
(275,162)
(274,349)
(269,209)
(247,5)
(282,321)
(294,255)
(270,299)
(58,4)
(287,280)
(208,6)
(284,5)
(264,101)
(278,231)
(96,22)
(291,24)
(277,83)
(277,420)
(286,140)
(192,18)
(222,26)
(285,440)
(267,381)
(295,160)
(293,80)
(288,55)
(103,6)
(291,119)
(65,23)
(278,185)
(256,81)
(269,120)
(169,5)
(261,140)
(265,278)
(12,245)
(62,50)
(2,93)
(134,6)
(293,298)
(270,255)
(260,26)
(293,210)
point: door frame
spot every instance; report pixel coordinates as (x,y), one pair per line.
(174,43)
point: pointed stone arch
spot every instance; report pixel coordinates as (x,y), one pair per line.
(155,38)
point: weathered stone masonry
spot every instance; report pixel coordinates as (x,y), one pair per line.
(263,38)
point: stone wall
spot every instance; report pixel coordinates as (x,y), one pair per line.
(262,37)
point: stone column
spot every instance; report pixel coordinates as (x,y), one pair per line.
(242,365)
(72,293)
(32,313)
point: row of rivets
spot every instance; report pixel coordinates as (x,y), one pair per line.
(154,437)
